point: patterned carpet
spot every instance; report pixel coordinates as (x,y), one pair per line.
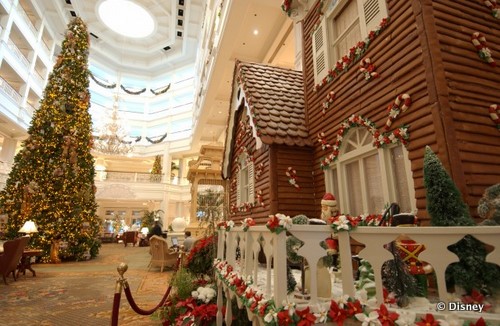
(81,293)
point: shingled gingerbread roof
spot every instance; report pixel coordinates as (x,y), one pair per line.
(275,97)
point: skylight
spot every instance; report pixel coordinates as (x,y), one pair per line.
(126,18)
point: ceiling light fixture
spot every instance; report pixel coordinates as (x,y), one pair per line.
(126,18)
(111,139)
(255,32)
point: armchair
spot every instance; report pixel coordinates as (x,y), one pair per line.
(13,251)
(130,237)
(161,255)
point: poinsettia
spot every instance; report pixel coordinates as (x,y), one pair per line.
(285,318)
(247,222)
(385,317)
(343,223)
(278,223)
(353,308)
(476,297)
(427,321)
(306,317)
(479,322)
(336,313)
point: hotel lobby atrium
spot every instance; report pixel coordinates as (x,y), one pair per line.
(160,86)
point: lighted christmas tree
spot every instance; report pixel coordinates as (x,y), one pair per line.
(52,178)
(156,171)
(446,208)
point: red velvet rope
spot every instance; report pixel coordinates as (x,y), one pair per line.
(142,311)
(116,307)
(131,301)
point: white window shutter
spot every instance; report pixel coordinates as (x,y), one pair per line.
(251,183)
(320,51)
(238,188)
(371,13)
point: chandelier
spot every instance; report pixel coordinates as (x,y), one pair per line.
(111,139)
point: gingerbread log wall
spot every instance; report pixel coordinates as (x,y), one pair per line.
(472,86)
(293,198)
(425,51)
(244,141)
(274,190)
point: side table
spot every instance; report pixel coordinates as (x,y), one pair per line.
(25,262)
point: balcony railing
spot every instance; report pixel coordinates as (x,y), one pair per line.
(136,177)
(271,279)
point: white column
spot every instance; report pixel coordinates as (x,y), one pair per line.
(8,150)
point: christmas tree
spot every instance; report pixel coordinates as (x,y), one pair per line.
(446,208)
(52,178)
(156,171)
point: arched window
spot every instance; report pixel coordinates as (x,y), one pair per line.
(365,178)
(245,187)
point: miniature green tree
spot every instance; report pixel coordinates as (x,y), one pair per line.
(446,208)
(52,178)
(156,171)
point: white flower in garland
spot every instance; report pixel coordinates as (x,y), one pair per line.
(271,316)
(451,320)
(368,320)
(285,221)
(406,318)
(321,315)
(290,306)
(342,223)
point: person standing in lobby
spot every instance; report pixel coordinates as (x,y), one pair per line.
(188,241)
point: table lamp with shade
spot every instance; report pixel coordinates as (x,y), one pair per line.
(28,228)
(145,231)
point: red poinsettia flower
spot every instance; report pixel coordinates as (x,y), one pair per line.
(273,222)
(474,297)
(354,307)
(189,303)
(306,317)
(427,321)
(385,317)
(205,314)
(479,322)
(262,310)
(337,314)
(388,297)
(284,318)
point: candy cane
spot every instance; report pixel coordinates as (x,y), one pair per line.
(323,141)
(396,108)
(494,7)
(479,42)
(329,100)
(292,177)
(368,69)
(495,114)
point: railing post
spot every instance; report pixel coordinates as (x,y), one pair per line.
(346,261)
(279,261)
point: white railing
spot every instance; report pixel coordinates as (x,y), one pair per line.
(9,91)
(272,278)
(16,52)
(136,177)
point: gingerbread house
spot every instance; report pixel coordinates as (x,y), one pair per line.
(381,80)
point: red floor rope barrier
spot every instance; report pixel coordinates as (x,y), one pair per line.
(121,283)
